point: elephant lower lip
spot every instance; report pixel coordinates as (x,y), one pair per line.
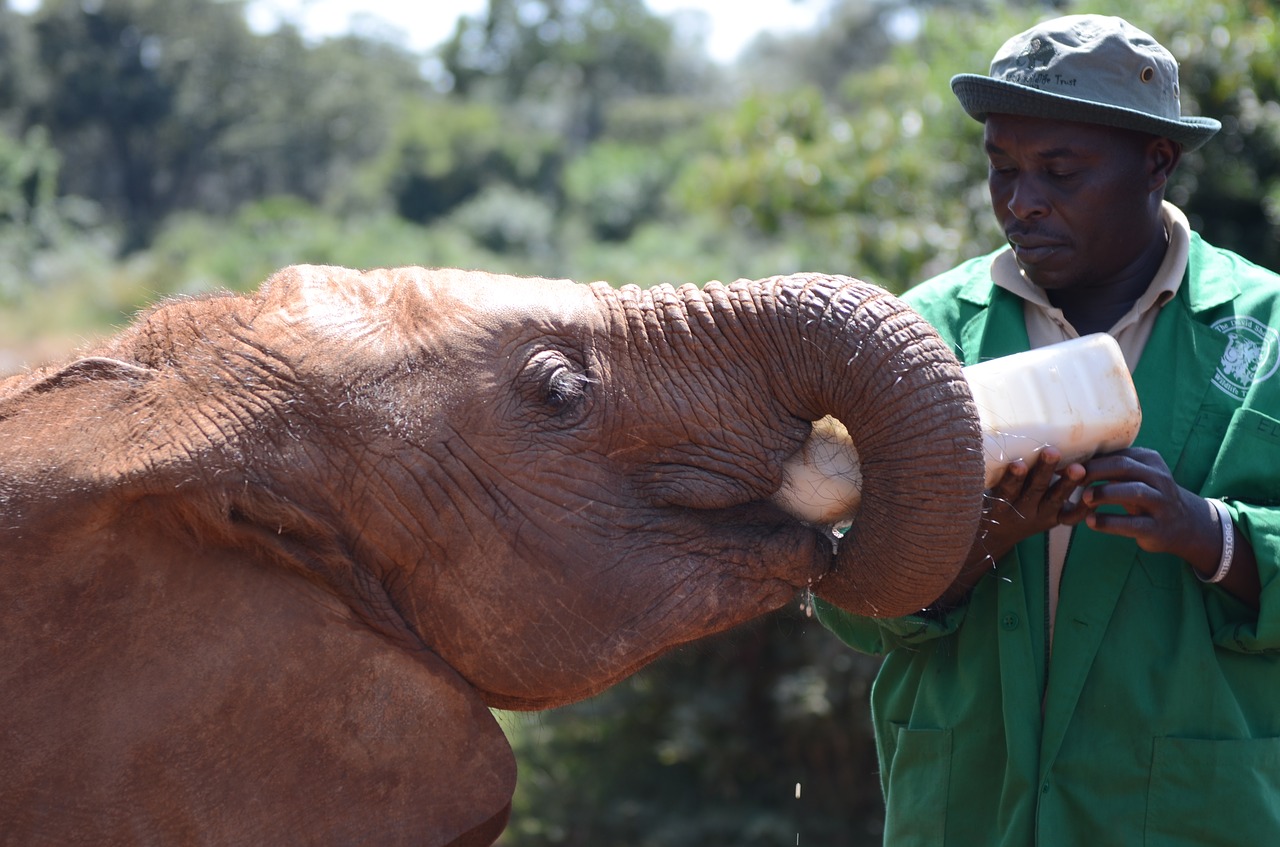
(768,540)
(822,563)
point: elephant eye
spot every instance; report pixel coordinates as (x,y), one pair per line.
(557,385)
(564,389)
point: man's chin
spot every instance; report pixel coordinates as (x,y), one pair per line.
(1044,276)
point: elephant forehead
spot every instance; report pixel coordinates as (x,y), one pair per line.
(393,311)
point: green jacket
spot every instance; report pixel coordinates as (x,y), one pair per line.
(1161,706)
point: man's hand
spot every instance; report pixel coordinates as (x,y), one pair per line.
(1163,517)
(1023,502)
(1026,502)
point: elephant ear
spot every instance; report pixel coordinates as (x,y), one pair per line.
(100,420)
(22,389)
(88,369)
(74,416)
(194,695)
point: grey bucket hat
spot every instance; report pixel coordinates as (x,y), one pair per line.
(1086,68)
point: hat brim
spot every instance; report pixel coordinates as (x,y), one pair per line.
(982,95)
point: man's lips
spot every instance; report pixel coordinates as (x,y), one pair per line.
(1031,249)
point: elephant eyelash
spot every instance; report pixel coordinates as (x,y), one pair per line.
(558,386)
(566,387)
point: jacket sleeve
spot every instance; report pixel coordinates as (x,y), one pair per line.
(877,636)
(1234,625)
(1246,476)
(1245,473)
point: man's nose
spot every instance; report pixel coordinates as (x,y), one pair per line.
(1026,202)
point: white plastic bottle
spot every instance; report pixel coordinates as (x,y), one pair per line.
(1076,395)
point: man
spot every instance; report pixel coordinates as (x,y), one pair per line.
(1106,668)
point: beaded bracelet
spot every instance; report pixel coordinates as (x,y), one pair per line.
(1228,542)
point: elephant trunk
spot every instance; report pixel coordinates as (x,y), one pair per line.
(854,352)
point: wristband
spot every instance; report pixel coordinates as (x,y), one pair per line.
(1228,542)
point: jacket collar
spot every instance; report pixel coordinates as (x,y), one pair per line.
(1209,289)
(997,327)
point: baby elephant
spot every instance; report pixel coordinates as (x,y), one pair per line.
(266,561)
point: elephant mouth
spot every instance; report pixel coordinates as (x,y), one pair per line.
(777,552)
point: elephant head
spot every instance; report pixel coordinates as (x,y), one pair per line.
(267,559)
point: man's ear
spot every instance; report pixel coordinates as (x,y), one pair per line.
(1163,155)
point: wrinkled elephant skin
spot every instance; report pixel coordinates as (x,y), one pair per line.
(266,561)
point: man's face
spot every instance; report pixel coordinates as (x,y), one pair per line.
(1077,201)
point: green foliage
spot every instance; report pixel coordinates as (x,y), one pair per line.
(172,105)
(767,164)
(30,218)
(197,253)
(1227,55)
(857,35)
(123,98)
(883,180)
(445,152)
(616,186)
(506,220)
(690,249)
(20,87)
(572,58)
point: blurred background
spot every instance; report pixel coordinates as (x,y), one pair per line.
(152,148)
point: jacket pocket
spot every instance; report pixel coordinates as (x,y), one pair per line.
(1245,465)
(916,789)
(1214,792)
(1201,448)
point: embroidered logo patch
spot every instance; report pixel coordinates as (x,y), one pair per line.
(1037,54)
(1252,355)
(1029,67)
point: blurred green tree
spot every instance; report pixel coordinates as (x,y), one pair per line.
(569,59)
(32,216)
(1230,188)
(21,77)
(616,186)
(116,107)
(162,105)
(444,152)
